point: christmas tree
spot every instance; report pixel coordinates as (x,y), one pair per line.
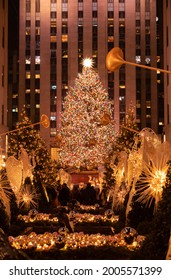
(87,129)
(27,137)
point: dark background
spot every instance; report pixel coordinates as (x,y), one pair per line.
(13,24)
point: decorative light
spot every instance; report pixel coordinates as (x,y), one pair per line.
(87,62)
(48,241)
(78,218)
(153,181)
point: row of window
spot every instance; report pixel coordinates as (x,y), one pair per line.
(80,47)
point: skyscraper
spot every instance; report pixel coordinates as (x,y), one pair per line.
(167,65)
(56,35)
(3,69)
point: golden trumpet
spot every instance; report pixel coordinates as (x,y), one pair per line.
(114,61)
(44,120)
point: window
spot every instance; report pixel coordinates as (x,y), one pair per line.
(137,5)
(37,23)
(110,14)
(147,22)
(53,30)
(28,76)
(137,22)
(121,14)
(28,41)
(27,23)
(28,6)
(64,14)
(64,29)
(64,38)
(53,45)
(80,14)
(37,6)
(37,41)
(53,38)
(37,76)
(28,60)
(147,5)
(53,14)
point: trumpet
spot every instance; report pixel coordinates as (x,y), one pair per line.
(115,59)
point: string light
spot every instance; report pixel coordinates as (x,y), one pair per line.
(48,241)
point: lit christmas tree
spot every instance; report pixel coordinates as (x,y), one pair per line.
(87,129)
(27,137)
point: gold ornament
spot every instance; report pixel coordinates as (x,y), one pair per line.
(44,120)
(105,120)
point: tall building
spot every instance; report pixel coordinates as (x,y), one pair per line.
(3,70)
(54,37)
(167,65)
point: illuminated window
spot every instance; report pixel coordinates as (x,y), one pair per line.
(37,76)
(27,31)
(53,118)
(28,76)
(138,59)
(161,123)
(37,31)
(28,60)
(53,38)
(64,38)
(15,96)
(15,110)
(148,104)
(37,59)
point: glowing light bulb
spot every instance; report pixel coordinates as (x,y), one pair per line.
(87,62)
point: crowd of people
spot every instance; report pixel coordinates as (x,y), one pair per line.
(86,195)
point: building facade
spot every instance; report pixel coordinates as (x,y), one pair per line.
(3,70)
(167,65)
(54,37)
